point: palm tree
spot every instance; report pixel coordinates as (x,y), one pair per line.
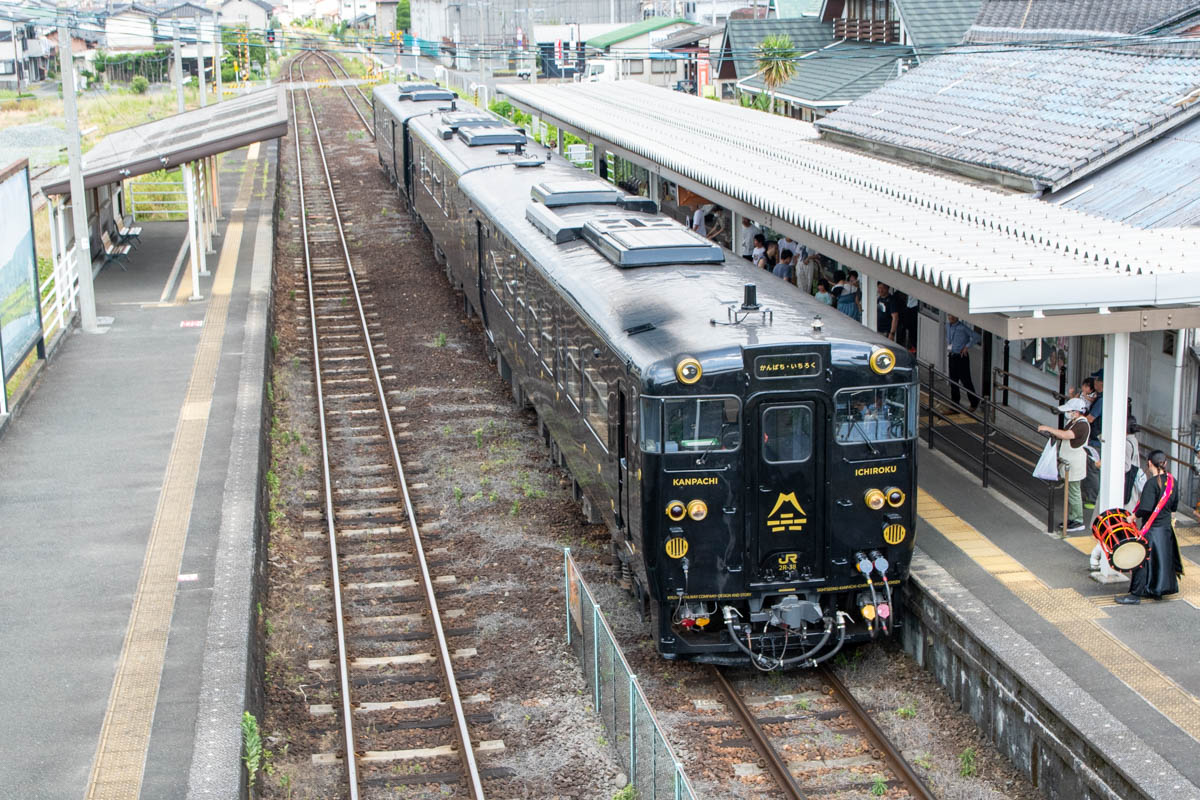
(776,62)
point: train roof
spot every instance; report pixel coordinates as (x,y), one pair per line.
(407,100)
(664,307)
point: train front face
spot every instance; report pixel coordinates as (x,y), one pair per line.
(778,500)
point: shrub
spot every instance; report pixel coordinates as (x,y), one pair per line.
(139,84)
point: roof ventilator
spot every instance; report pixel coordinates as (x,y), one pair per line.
(424,92)
(485,137)
(649,241)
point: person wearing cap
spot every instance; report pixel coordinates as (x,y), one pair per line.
(1072,457)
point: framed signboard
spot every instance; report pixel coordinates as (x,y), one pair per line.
(20,311)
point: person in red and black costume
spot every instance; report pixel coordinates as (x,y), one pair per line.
(1159,573)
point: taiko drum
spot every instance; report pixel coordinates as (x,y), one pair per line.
(1120,539)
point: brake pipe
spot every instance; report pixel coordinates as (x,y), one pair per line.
(765,663)
(881,564)
(865,566)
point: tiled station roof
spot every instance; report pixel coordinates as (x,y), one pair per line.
(1003,253)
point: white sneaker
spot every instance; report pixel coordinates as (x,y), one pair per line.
(1076,526)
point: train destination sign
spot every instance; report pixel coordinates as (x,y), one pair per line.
(804,365)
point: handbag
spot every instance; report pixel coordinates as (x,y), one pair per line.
(1047,465)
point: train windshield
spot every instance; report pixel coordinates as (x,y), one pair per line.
(691,425)
(874,414)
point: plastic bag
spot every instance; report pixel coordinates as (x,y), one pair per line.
(1047,465)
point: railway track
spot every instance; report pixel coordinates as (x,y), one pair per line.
(399,711)
(790,777)
(331,63)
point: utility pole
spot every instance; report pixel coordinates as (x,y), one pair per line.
(16,54)
(83,240)
(217,46)
(178,65)
(200,48)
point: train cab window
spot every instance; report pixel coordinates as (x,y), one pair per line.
(874,414)
(787,434)
(690,425)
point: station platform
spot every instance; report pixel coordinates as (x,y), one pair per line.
(1125,678)
(128,481)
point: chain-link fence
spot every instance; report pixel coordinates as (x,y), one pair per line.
(639,742)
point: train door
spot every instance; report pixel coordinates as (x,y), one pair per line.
(395,165)
(406,136)
(785,524)
(622,461)
(482,249)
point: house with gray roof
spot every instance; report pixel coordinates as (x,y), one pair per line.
(848,48)
(1008,21)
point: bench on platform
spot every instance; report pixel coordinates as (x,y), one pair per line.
(114,252)
(128,232)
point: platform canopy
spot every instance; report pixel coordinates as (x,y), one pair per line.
(1016,265)
(181,138)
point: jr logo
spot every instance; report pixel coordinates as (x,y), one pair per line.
(786,520)
(787,561)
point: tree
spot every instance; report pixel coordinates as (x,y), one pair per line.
(776,62)
(403,15)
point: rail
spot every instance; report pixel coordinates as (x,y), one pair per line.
(896,760)
(758,738)
(992,451)
(332,62)
(653,768)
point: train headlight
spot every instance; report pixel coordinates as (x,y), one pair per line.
(895,496)
(875,499)
(697,510)
(882,360)
(676,510)
(688,371)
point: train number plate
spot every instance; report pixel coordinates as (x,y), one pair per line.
(804,365)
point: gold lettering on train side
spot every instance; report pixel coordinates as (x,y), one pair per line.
(893,582)
(788,561)
(882,469)
(732,596)
(710,481)
(786,520)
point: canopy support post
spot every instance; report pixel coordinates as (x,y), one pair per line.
(1115,404)
(193,250)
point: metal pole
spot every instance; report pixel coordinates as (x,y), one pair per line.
(217,53)
(190,188)
(1113,422)
(16,56)
(178,67)
(200,60)
(83,249)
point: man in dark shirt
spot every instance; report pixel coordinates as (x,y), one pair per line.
(1091,483)
(887,317)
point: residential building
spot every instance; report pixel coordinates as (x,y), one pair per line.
(847,49)
(633,52)
(385,18)
(130,28)
(254,14)
(497,21)
(695,45)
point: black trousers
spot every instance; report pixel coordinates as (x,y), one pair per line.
(960,373)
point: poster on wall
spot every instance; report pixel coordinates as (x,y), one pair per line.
(20,311)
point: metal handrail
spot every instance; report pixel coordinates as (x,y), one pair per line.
(985,455)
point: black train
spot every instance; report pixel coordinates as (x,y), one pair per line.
(751,452)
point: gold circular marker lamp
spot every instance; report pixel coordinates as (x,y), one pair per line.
(676,510)
(688,371)
(697,510)
(895,496)
(882,360)
(875,499)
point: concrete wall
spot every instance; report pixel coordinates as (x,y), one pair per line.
(1068,745)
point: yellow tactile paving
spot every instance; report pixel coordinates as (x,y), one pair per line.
(1075,615)
(124,737)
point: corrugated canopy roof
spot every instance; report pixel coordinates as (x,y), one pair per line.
(181,138)
(1002,253)
(1043,117)
(690,36)
(839,74)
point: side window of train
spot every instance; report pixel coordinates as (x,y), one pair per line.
(546,348)
(533,314)
(574,370)
(496,274)
(595,397)
(519,297)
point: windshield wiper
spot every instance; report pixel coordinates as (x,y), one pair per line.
(866,439)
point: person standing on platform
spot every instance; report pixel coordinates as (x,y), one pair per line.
(1091,483)
(1159,573)
(960,338)
(750,232)
(887,316)
(784,268)
(1071,457)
